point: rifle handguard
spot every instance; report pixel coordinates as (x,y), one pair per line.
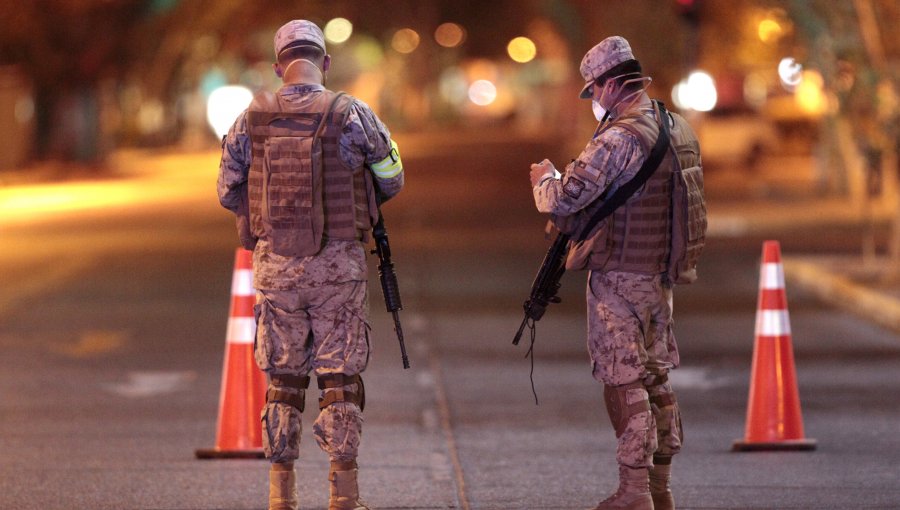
(390,287)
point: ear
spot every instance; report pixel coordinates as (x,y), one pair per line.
(326,64)
(277,68)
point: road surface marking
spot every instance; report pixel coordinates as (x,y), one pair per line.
(695,379)
(92,343)
(149,384)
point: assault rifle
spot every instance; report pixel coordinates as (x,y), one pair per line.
(389,285)
(546,283)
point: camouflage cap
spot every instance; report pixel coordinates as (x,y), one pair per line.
(298,30)
(611,52)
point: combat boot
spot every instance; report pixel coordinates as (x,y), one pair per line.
(344,487)
(283,487)
(633,492)
(660,474)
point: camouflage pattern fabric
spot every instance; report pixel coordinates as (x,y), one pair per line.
(629,338)
(636,445)
(320,329)
(365,140)
(609,53)
(668,421)
(629,327)
(607,162)
(337,262)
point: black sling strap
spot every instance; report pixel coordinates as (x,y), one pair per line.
(650,165)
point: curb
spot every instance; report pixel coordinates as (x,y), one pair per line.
(815,276)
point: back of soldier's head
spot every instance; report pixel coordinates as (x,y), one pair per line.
(301,51)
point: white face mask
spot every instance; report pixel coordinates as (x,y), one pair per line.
(598,109)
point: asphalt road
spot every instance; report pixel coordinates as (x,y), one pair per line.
(112,323)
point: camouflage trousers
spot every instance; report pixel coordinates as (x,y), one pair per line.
(630,341)
(324,330)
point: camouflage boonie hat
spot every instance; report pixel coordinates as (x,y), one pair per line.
(611,52)
(298,30)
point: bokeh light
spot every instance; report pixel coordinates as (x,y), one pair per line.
(224,105)
(810,93)
(697,92)
(453,85)
(769,30)
(368,53)
(756,90)
(449,35)
(521,49)
(482,92)
(405,40)
(790,72)
(338,30)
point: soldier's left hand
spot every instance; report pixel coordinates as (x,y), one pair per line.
(539,170)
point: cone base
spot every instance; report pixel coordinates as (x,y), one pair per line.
(216,453)
(789,444)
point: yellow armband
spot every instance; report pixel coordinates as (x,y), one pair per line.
(391,166)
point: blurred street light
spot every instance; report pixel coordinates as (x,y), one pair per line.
(338,30)
(521,49)
(790,72)
(810,93)
(769,30)
(697,92)
(482,92)
(405,40)
(224,105)
(449,35)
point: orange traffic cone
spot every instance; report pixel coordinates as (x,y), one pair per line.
(773,410)
(243,392)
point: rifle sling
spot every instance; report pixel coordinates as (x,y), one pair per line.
(643,174)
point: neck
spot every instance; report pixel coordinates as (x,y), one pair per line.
(638,100)
(302,72)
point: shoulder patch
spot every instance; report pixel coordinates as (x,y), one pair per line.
(583,169)
(573,187)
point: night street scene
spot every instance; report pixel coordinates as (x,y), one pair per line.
(155,357)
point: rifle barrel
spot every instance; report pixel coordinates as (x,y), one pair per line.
(521,329)
(399,331)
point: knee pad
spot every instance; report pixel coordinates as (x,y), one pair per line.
(336,383)
(288,389)
(623,402)
(660,395)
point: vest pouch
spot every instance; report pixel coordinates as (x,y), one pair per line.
(242,220)
(593,252)
(688,225)
(292,205)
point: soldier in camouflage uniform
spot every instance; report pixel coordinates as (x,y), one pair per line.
(630,339)
(306,210)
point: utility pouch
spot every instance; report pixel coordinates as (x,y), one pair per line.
(292,194)
(242,220)
(688,225)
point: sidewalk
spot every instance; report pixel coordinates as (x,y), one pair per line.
(778,208)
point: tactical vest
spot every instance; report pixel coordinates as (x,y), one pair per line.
(300,191)
(636,237)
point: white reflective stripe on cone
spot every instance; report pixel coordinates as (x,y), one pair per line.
(241,330)
(242,284)
(771,276)
(772,323)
